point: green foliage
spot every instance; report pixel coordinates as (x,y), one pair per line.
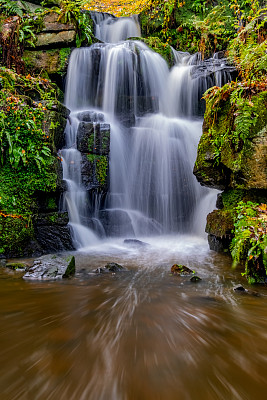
(27,163)
(70,12)
(241,105)
(250,240)
(16,232)
(248,51)
(9,7)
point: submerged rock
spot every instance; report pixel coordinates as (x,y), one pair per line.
(51,267)
(240,289)
(179,269)
(110,267)
(135,243)
(195,279)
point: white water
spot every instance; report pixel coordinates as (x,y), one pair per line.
(110,29)
(155,129)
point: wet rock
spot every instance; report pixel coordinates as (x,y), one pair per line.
(54,238)
(135,243)
(114,267)
(110,267)
(90,116)
(93,138)
(51,267)
(240,289)
(116,222)
(179,269)
(195,279)
(51,23)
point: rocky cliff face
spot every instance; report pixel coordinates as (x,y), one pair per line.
(233,158)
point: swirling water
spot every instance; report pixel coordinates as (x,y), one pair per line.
(139,334)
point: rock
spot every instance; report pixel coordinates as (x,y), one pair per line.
(54,238)
(110,267)
(116,222)
(53,61)
(90,116)
(135,243)
(220,224)
(52,40)
(114,267)
(195,279)
(8,26)
(93,138)
(178,269)
(51,23)
(234,164)
(2,262)
(51,267)
(218,244)
(239,288)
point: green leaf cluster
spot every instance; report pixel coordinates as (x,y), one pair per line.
(250,240)
(26,159)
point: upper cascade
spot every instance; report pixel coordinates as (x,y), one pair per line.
(110,29)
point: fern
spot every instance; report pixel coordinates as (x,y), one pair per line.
(9,8)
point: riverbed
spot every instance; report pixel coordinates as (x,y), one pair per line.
(139,334)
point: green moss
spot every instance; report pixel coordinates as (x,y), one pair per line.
(71,268)
(220,223)
(51,204)
(101,167)
(63,59)
(230,198)
(16,233)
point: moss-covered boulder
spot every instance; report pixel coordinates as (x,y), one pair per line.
(53,61)
(232,151)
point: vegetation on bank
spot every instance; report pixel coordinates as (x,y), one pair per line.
(27,155)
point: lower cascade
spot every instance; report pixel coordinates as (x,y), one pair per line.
(154,117)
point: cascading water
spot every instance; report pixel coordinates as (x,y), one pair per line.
(110,29)
(155,127)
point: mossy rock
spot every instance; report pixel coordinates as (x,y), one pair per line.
(53,61)
(220,223)
(70,271)
(179,269)
(224,161)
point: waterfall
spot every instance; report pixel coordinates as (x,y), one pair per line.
(110,29)
(156,118)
